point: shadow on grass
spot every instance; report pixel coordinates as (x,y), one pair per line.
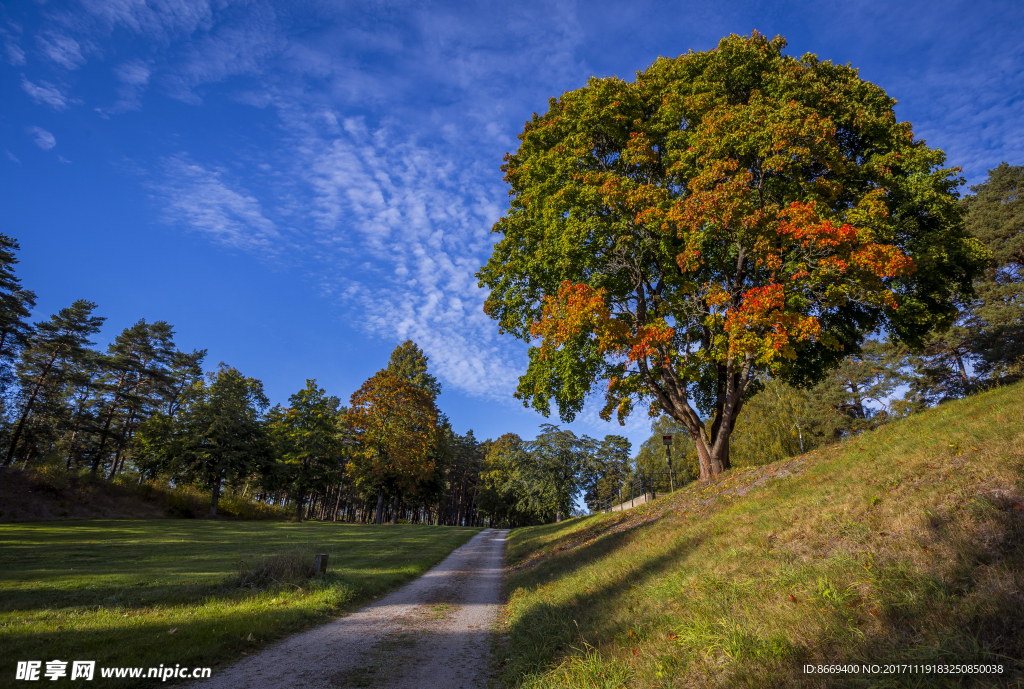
(548,631)
(967,610)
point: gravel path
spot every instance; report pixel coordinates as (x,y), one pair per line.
(435,632)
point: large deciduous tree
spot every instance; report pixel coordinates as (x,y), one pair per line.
(728,214)
(393,423)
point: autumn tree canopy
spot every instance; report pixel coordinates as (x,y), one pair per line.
(727,214)
(393,423)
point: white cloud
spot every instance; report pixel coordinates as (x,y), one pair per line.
(45,93)
(133,72)
(238,46)
(134,78)
(201,199)
(61,48)
(15,55)
(418,225)
(156,19)
(12,157)
(42,138)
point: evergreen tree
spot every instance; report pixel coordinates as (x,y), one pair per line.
(308,442)
(409,362)
(135,383)
(605,470)
(55,349)
(220,438)
(996,217)
(16,306)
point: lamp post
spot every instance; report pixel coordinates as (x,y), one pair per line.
(667,440)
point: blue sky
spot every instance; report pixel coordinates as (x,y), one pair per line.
(299,186)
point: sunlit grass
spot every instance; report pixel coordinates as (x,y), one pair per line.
(142,593)
(903,545)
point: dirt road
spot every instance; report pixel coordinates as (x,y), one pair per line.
(432,633)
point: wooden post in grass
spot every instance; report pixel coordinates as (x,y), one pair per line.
(320,564)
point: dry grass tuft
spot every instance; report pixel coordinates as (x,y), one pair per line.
(290,568)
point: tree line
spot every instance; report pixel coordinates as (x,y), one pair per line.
(145,411)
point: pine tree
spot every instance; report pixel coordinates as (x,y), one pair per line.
(16,306)
(409,362)
(996,217)
(55,349)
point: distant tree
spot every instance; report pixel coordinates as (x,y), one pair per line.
(55,349)
(778,423)
(996,217)
(651,458)
(860,393)
(16,306)
(503,491)
(729,215)
(605,470)
(409,362)
(219,438)
(392,423)
(308,442)
(553,472)
(136,378)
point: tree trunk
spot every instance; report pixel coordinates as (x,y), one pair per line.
(300,501)
(28,408)
(963,372)
(379,516)
(558,514)
(215,498)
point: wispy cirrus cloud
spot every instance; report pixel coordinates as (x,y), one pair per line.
(10,35)
(133,77)
(160,19)
(45,93)
(201,199)
(60,48)
(417,227)
(42,138)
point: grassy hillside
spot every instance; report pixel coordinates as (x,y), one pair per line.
(52,493)
(146,592)
(905,545)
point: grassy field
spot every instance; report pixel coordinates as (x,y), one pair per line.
(151,592)
(905,545)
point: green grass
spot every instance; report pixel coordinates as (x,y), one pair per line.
(905,545)
(146,592)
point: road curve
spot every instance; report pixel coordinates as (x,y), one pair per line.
(434,632)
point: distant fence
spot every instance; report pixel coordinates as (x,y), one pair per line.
(639,500)
(641,490)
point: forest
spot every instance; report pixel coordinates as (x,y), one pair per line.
(144,411)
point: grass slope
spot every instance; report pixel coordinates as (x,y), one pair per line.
(905,545)
(52,493)
(151,592)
